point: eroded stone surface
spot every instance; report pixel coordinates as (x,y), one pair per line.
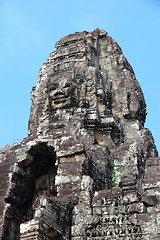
(88,168)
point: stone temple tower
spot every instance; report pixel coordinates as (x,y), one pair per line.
(88,169)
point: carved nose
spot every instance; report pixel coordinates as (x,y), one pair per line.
(58,93)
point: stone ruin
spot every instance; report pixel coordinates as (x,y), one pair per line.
(88,169)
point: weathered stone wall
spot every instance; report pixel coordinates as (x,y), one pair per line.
(88,168)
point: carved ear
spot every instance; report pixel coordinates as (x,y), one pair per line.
(47,103)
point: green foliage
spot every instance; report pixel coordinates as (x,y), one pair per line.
(111,177)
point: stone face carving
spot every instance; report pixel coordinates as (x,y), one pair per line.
(88,168)
(63,91)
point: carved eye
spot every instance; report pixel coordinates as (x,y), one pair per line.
(67,85)
(81,80)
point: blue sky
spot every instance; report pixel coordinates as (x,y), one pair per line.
(30,29)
